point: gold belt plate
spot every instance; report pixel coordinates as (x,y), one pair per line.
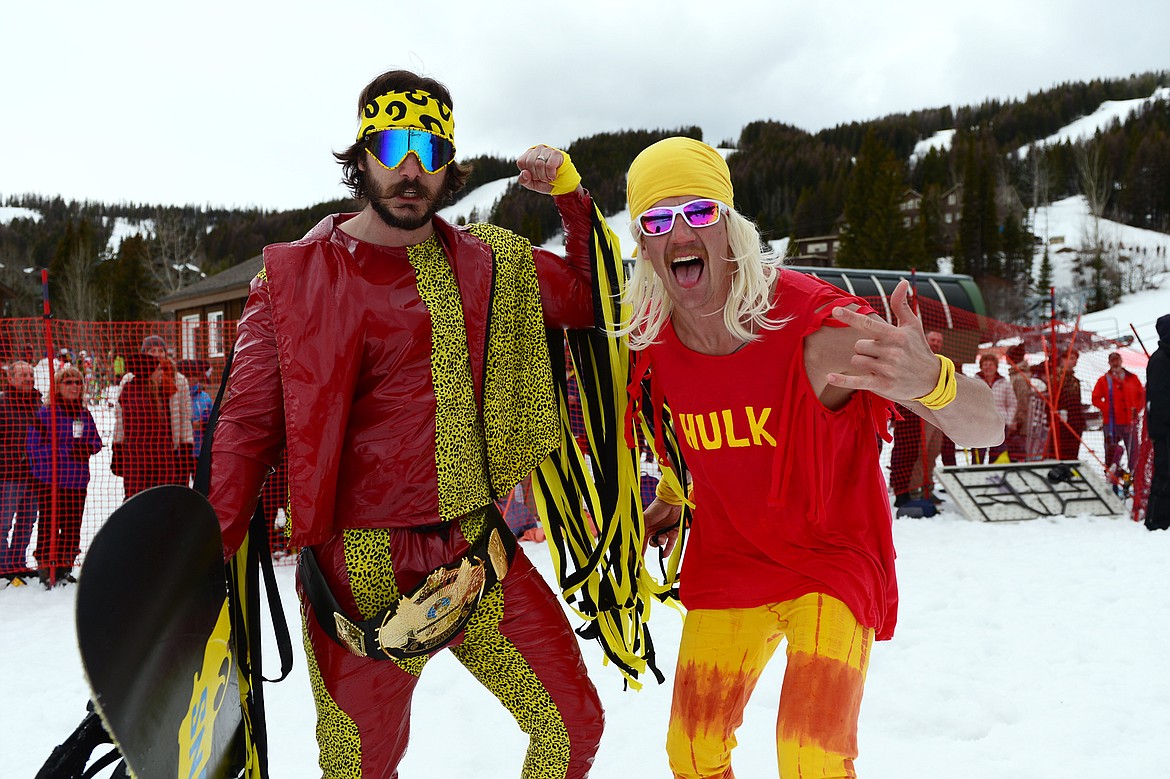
(428,618)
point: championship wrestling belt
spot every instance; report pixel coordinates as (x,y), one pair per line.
(428,617)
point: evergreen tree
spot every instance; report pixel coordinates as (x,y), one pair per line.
(933,241)
(933,169)
(816,210)
(1016,271)
(774,164)
(123,286)
(1044,277)
(875,235)
(977,248)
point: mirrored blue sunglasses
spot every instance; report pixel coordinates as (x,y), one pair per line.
(390,148)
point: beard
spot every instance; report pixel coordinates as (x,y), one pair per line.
(428,202)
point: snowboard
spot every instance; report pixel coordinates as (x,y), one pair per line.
(154,632)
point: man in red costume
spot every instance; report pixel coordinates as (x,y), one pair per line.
(402,364)
(778,386)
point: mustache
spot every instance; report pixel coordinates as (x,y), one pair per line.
(695,250)
(399,189)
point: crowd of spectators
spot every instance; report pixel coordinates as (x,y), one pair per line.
(48,436)
(1045,418)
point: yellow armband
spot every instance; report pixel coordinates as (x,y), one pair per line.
(568,179)
(946,389)
(665,494)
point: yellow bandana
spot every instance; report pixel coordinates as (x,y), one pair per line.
(413,108)
(677,166)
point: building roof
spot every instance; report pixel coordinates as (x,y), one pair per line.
(225,285)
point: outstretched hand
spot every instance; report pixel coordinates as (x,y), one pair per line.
(661,520)
(892,361)
(538,168)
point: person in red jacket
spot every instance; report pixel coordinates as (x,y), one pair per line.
(779,386)
(1120,396)
(402,364)
(142,447)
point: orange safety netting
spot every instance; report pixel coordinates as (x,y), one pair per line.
(92,413)
(139,421)
(1048,404)
(87,419)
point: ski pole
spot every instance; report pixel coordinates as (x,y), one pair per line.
(1141,343)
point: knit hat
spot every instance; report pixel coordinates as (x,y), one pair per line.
(677,166)
(152,342)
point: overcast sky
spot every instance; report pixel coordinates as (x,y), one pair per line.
(240,103)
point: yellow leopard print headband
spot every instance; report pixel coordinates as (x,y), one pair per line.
(413,108)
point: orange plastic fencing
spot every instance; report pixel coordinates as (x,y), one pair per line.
(88,417)
(91,415)
(140,421)
(1048,404)
(1143,471)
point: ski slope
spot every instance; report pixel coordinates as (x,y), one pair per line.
(1024,651)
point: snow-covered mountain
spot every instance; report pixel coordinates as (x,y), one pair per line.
(1080,129)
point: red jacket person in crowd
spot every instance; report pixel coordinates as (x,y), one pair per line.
(1121,397)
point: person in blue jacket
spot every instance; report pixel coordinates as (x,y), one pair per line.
(66,429)
(196,372)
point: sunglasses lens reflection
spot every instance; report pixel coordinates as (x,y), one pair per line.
(701,213)
(657,221)
(392,146)
(696,213)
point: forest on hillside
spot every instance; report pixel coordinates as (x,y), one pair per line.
(851,180)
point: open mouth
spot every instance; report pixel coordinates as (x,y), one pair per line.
(688,270)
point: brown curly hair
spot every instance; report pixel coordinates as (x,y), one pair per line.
(398,81)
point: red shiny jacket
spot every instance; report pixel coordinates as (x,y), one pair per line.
(326,319)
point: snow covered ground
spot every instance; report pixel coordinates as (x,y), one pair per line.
(8,213)
(941,140)
(1106,114)
(1033,650)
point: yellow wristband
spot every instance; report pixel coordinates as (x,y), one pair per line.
(945,390)
(568,179)
(665,494)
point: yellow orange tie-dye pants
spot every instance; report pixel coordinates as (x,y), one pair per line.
(723,652)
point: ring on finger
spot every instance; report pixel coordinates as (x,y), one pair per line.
(541,157)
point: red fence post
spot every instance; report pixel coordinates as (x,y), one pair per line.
(47,317)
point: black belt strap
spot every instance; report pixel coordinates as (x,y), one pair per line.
(325,605)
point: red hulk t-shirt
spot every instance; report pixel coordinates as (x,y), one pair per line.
(789,495)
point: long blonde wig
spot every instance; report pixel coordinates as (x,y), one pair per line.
(749,301)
